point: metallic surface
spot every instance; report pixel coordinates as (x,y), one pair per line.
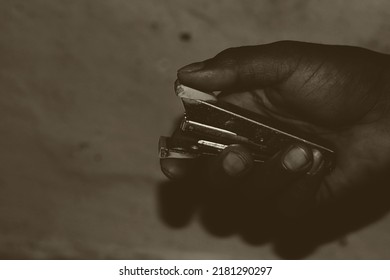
(223,123)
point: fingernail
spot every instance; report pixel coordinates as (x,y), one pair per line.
(168,172)
(192,67)
(296,159)
(234,164)
(318,162)
(171,169)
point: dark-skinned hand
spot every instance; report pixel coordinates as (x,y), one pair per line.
(338,93)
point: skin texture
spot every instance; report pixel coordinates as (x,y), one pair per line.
(338,93)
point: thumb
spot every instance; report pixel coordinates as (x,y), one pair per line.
(243,68)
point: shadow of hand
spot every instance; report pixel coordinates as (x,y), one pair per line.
(230,211)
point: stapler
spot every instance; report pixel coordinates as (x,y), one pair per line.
(210,125)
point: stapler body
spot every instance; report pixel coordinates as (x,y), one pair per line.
(210,125)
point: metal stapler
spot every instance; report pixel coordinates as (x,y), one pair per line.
(210,125)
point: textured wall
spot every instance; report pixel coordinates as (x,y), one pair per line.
(85,92)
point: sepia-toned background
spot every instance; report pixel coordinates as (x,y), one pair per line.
(86,89)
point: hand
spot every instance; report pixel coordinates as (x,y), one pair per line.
(335,92)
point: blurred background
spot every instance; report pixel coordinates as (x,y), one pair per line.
(86,89)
